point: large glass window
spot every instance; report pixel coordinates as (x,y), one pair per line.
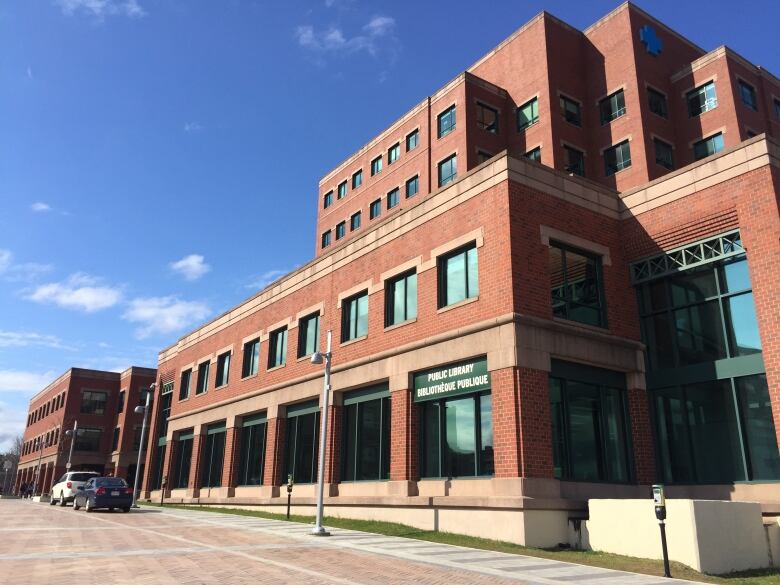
(277,348)
(93,402)
(590,430)
(576,285)
(612,106)
(708,146)
(203,377)
(570,110)
(702,99)
(182,461)
(252,455)
(457,436)
(251,358)
(213,455)
(223,369)
(354,317)
(401,299)
(448,170)
(487,118)
(617,158)
(184,384)
(366,435)
(302,439)
(308,335)
(458,274)
(528,114)
(88,439)
(446,122)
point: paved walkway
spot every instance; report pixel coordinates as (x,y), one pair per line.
(41,544)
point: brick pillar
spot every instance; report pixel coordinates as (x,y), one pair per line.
(404,431)
(274,452)
(506,422)
(193,485)
(120,471)
(535,430)
(45,483)
(333,444)
(641,435)
(59,471)
(232,455)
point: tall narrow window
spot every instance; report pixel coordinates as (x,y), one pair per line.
(277,348)
(341,230)
(527,114)
(357,179)
(327,200)
(393,153)
(366,444)
(376,166)
(342,190)
(251,460)
(570,110)
(120,407)
(412,140)
(487,118)
(708,146)
(777,108)
(617,158)
(401,299)
(663,154)
(223,369)
(446,122)
(251,358)
(458,275)
(657,102)
(375,209)
(448,170)
(393,198)
(412,186)
(115,440)
(184,384)
(702,99)
(748,95)
(203,377)
(301,442)
(308,335)
(213,456)
(576,285)
(354,221)
(326,238)
(354,317)
(575,161)
(612,107)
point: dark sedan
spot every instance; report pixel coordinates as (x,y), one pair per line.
(104,492)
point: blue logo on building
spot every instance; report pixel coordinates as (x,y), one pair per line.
(650,39)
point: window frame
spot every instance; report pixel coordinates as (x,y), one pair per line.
(533,103)
(621,161)
(413,135)
(326,239)
(357,179)
(743,86)
(202,383)
(655,96)
(184,390)
(356,401)
(493,128)
(375,209)
(341,230)
(393,198)
(610,108)
(351,331)
(390,289)
(453,158)
(599,267)
(341,191)
(535,154)
(441,274)
(658,142)
(223,370)
(303,335)
(705,141)
(327,199)
(700,93)
(393,151)
(354,220)
(572,116)
(446,121)
(569,168)
(376,165)
(277,348)
(89,405)
(416,182)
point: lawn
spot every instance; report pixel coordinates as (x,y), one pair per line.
(595,559)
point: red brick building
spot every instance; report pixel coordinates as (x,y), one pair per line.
(550,281)
(109,431)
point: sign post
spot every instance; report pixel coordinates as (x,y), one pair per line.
(7,464)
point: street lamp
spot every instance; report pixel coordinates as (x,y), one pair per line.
(72,434)
(138,410)
(317,358)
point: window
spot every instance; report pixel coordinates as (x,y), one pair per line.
(575,161)
(570,110)
(483,156)
(326,238)
(527,114)
(213,456)
(277,348)
(576,285)
(458,275)
(663,154)
(342,190)
(252,455)
(393,198)
(354,221)
(137,440)
(412,186)
(308,335)
(120,407)
(115,440)
(401,299)
(166,397)
(341,230)
(534,154)
(184,384)
(357,179)
(182,461)
(354,317)
(657,102)
(708,146)
(88,439)
(617,158)
(251,358)
(223,369)
(457,436)
(589,424)
(327,200)
(446,122)
(301,442)
(366,441)
(612,107)
(203,377)
(777,108)
(750,133)
(157,469)
(93,402)
(487,118)
(393,153)
(375,209)
(412,140)
(748,95)
(376,166)
(448,170)
(702,99)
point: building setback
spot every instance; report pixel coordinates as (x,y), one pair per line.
(109,434)
(574,299)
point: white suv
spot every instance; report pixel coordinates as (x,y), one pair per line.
(67,486)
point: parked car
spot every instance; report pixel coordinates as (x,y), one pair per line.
(67,486)
(104,492)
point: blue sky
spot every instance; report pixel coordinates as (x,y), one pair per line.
(154,154)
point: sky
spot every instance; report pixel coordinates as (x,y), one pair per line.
(159,159)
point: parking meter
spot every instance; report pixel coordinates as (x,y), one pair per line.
(659,501)
(163,481)
(289,492)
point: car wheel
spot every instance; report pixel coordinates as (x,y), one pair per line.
(111,509)
(76,504)
(88,507)
(62,499)
(125,510)
(52,501)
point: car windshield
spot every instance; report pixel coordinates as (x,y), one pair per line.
(110,482)
(81,476)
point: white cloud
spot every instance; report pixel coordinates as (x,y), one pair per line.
(26,272)
(102,8)
(40,207)
(192,127)
(5,260)
(375,35)
(29,72)
(30,339)
(191,267)
(23,381)
(265,279)
(12,423)
(160,315)
(80,291)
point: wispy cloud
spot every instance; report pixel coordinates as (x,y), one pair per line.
(5,260)
(161,315)
(31,339)
(24,381)
(100,9)
(12,423)
(25,272)
(191,267)
(29,72)
(40,207)
(192,127)
(80,292)
(265,279)
(375,37)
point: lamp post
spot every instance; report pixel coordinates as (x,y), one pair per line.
(317,358)
(139,410)
(72,434)
(38,467)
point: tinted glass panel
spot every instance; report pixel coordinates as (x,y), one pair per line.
(758,427)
